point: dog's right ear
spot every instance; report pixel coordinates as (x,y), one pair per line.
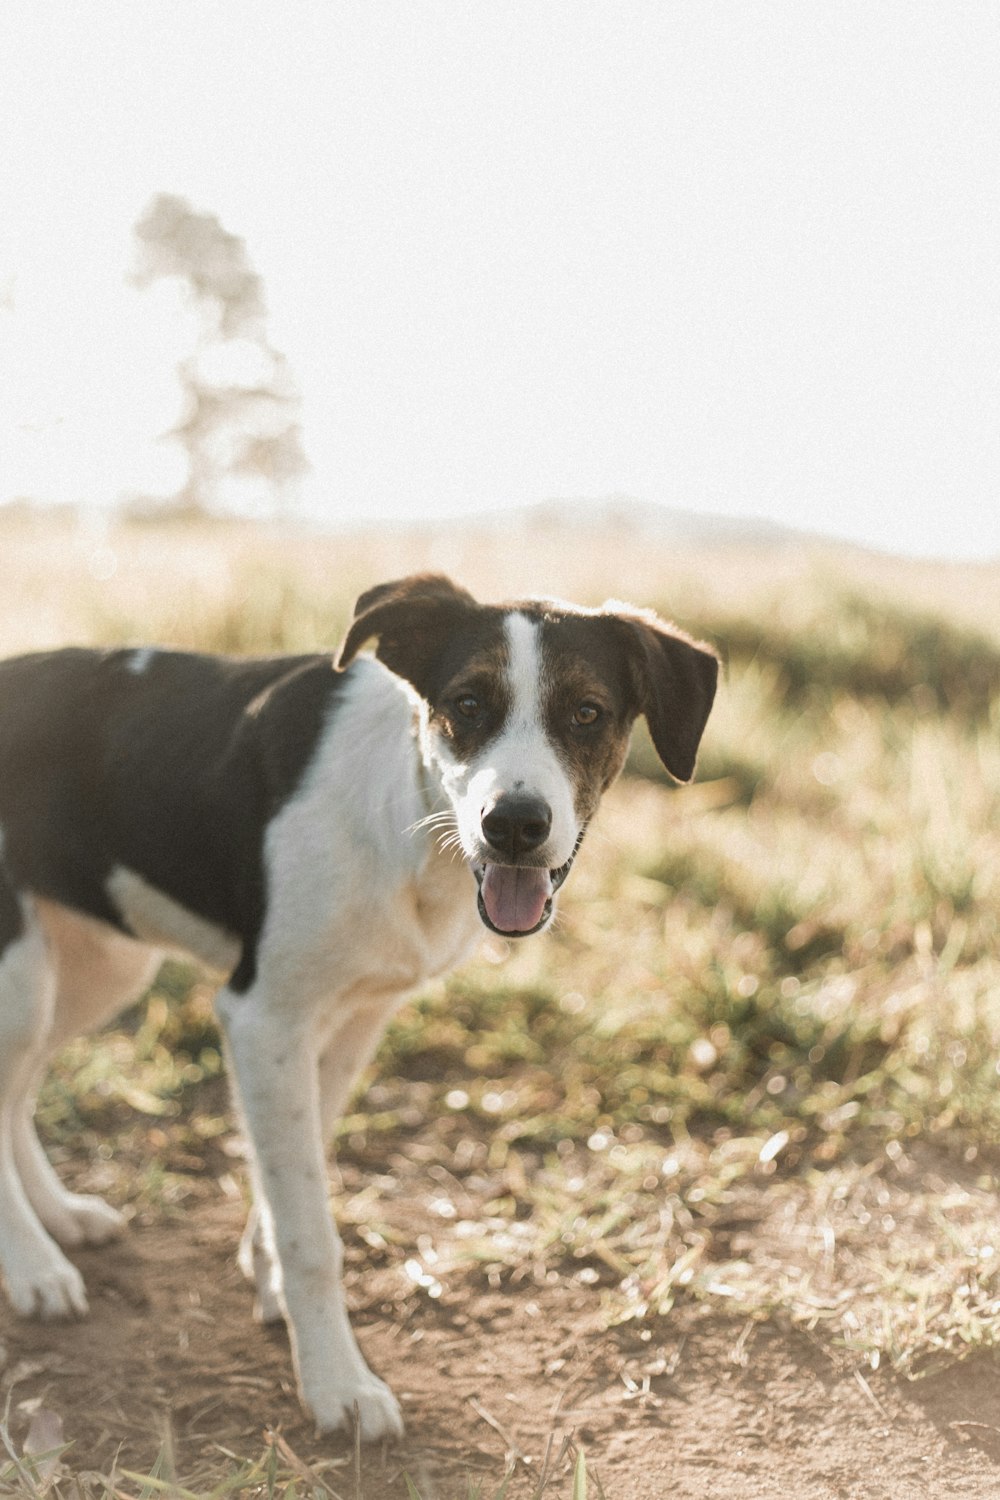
(676,678)
(410,620)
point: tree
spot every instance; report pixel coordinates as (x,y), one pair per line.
(239,427)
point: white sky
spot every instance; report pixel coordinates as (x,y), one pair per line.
(727,256)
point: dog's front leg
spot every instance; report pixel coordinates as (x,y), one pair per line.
(344,1055)
(275,1071)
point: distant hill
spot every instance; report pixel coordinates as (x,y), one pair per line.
(632,519)
(641,518)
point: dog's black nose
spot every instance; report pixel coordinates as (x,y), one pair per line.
(516,824)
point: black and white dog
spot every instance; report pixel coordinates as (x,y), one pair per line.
(329,835)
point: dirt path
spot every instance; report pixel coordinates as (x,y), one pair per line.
(693,1407)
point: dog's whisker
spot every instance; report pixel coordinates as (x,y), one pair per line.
(452,844)
(444,815)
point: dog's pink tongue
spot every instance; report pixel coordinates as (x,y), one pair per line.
(515,898)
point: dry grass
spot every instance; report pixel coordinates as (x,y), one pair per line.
(69,579)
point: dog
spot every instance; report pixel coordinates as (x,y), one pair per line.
(327,835)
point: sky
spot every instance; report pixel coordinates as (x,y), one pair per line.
(734,258)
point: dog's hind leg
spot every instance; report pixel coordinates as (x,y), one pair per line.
(71,1218)
(38,1277)
(258,1260)
(98,972)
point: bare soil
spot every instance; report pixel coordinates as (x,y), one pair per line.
(689,1406)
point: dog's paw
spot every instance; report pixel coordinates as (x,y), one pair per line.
(367,1400)
(46,1287)
(84,1220)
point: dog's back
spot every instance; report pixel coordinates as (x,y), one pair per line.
(165,765)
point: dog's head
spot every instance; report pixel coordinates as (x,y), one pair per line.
(526,711)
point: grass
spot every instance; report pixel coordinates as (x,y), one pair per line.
(277,1474)
(753,1067)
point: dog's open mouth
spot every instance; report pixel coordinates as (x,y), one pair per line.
(516,900)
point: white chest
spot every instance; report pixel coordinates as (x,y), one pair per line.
(360,896)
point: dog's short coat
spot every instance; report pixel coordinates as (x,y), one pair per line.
(328,836)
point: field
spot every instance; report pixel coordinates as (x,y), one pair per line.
(695,1195)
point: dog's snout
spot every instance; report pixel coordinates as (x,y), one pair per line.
(517,824)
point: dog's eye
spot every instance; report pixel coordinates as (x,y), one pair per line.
(586,714)
(468,706)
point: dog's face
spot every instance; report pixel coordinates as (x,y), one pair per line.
(526,711)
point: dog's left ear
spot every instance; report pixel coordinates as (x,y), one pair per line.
(675,678)
(411,618)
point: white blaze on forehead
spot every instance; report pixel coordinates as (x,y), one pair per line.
(524,674)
